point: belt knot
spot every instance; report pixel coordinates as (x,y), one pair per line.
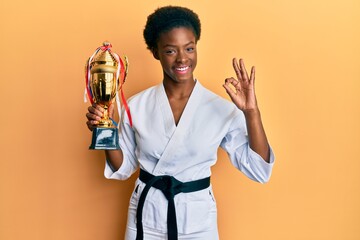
(169,186)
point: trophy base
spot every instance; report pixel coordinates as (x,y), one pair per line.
(105,139)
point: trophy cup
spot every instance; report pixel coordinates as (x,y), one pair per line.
(105,75)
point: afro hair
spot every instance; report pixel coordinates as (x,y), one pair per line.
(165,19)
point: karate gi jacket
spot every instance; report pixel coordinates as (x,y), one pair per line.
(185,151)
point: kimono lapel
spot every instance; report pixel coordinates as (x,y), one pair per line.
(176,133)
(163,103)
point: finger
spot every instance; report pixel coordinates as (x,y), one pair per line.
(91,124)
(244,73)
(96,109)
(236,84)
(91,116)
(229,91)
(252,75)
(231,81)
(237,69)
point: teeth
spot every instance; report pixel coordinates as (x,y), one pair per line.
(182,68)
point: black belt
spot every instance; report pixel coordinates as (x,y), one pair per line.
(170,186)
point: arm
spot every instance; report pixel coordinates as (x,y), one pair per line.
(244,98)
(257,137)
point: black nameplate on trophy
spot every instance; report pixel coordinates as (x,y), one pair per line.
(105,139)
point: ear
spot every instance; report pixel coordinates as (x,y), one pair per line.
(155,53)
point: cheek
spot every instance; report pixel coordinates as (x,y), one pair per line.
(194,62)
(194,58)
(165,66)
(165,63)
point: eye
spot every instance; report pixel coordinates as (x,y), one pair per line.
(190,49)
(169,51)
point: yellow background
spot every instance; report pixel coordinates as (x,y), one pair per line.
(307,57)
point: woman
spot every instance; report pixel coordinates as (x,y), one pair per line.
(177,128)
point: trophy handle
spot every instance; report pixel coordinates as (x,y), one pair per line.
(126,67)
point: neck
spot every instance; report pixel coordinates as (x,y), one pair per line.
(178,90)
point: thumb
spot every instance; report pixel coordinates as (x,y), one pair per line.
(229,91)
(111,110)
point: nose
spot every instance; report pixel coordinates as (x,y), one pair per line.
(181,57)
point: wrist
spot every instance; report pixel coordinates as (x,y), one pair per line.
(251,111)
(252,116)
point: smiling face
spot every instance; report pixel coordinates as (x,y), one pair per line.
(176,50)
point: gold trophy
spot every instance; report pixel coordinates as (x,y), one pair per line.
(105,75)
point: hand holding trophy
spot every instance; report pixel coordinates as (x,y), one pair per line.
(105,74)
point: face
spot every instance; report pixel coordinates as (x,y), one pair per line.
(176,51)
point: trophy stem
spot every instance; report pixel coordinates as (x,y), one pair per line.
(106,113)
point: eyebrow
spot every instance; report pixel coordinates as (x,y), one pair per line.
(170,45)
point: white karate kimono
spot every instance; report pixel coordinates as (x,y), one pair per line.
(186,152)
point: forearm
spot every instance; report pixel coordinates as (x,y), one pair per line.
(115,158)
(257,137)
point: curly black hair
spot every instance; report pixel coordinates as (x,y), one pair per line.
(165,19)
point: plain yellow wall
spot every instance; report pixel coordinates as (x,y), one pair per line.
(307,57)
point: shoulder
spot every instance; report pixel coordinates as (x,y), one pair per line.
(143,95)
(218,103)
(219,112)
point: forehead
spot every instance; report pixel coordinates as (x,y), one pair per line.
(176,36)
